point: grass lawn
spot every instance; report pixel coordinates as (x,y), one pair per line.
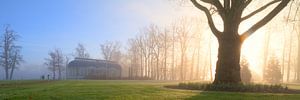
(119,90)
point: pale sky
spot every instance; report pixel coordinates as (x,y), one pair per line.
(47,24)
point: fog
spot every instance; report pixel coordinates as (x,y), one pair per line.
(173,43)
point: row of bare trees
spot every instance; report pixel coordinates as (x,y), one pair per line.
(57,61)
(291,49)
(168,53)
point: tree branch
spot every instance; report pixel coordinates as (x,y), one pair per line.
(260,9)
(218,5)
(213,28)
(220,8)
(246,4)
(227,4)
(266,19)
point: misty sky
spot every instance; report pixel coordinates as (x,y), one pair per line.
(47,24)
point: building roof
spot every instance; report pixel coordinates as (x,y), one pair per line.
(84,62)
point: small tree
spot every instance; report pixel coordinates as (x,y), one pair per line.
(272,71)
(245,72)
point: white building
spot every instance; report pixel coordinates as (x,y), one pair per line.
(82,68)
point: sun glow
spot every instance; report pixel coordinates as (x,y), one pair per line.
(253,48)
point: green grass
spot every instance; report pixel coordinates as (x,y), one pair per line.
(120,90)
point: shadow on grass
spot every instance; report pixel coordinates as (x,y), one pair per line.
(247,88)
(213,95)
(209,91)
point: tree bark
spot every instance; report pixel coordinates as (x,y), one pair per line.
(228,64)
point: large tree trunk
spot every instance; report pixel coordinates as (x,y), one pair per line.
(228,64)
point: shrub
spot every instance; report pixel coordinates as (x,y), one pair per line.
(275,88)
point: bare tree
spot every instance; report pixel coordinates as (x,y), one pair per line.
(55,63)
(283,55)
(10,52)
(230,41)
(141,45)
(50,62)
(81,52)
(296,20)
(183,35)
(289,58)
(133,53)
(111,51)
(266,51)
(166,45)
(156,45)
